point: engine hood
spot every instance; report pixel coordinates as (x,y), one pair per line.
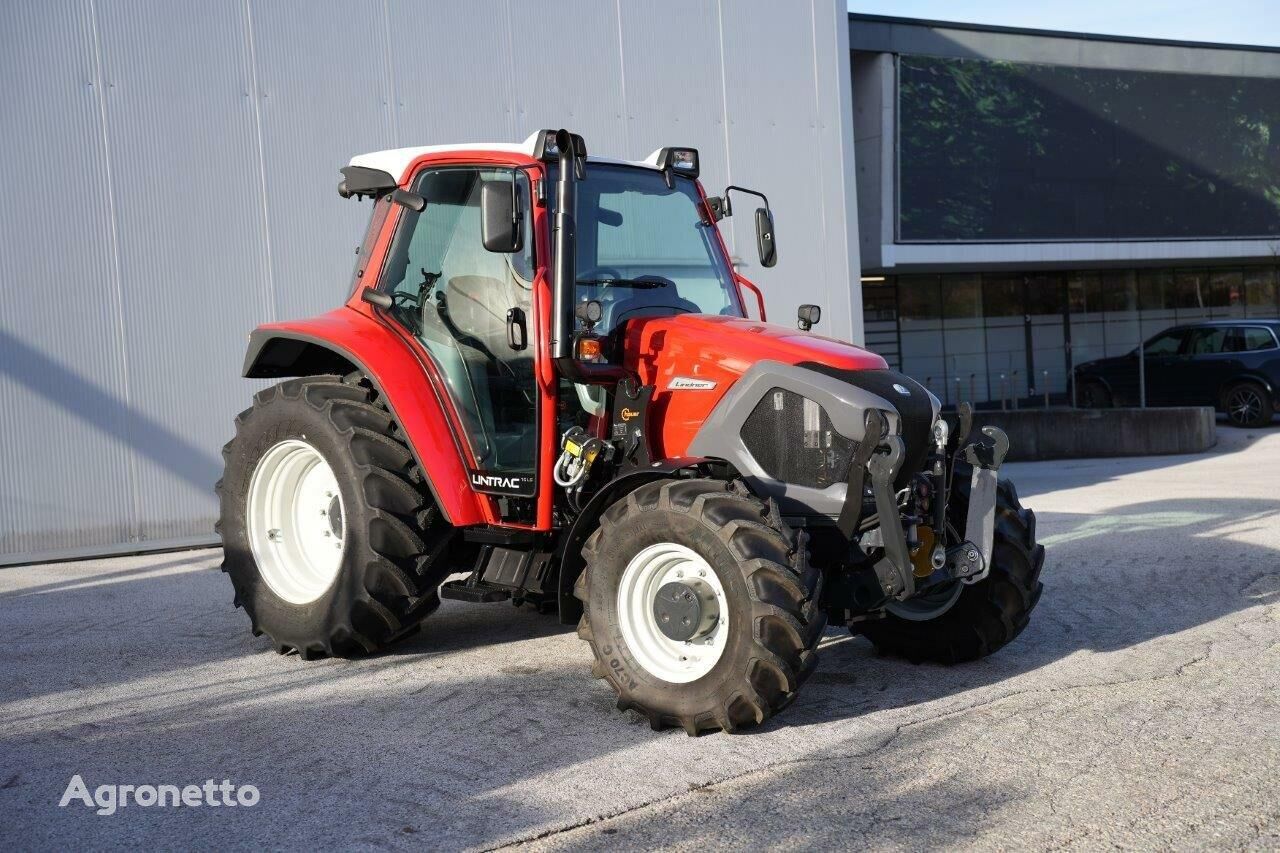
(732,344)
(692,360)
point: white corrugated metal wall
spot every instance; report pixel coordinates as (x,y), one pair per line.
(172,166)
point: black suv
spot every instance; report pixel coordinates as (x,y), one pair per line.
(1232,365)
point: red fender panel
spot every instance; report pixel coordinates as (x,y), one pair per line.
(409,388)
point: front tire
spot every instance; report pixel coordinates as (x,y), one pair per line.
(751,599)
(326,519)
(987,615)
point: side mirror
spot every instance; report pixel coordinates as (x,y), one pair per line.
(808,316)
(500,217)
(765,243)
(408,199)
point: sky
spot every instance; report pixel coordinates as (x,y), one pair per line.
(1231,21)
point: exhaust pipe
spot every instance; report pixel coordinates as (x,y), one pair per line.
(565,242)
(572,153)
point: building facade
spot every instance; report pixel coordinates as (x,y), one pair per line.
(175,168)
(1014,202)
(1031,200)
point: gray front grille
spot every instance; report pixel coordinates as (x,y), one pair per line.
(793,441)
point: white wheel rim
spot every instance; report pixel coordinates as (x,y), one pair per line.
(675,661)
(296,540)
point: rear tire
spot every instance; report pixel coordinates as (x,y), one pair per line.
(1248,405)
(389,533)
(989,614)
(767,589)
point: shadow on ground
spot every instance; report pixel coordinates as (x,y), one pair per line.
(155,678)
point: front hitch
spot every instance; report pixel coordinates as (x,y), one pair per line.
(985,457)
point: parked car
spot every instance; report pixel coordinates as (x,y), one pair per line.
(1232,365)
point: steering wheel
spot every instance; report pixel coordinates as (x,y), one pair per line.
(669,286)
(600,272)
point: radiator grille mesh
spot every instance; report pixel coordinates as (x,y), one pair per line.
(792,439)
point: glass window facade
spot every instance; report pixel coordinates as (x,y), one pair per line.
(1002,151)
(986,337)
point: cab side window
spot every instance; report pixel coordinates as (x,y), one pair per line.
(455,296)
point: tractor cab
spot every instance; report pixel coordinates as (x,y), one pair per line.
(546,379)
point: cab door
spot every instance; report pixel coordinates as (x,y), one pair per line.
(461,301)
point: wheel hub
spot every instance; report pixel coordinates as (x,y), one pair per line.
(334,514)
(1245,405)
(295,521)
(673,612)
(685,610)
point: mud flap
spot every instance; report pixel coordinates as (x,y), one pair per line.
(980,525)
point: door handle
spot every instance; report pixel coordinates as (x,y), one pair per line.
(517,331)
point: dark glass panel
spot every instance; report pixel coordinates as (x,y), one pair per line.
(1002,295)
(1156,290)
(1261,298)
(993,151)
(918,297)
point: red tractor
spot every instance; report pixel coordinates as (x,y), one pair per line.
(545,379)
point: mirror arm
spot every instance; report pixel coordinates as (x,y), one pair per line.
(728,205)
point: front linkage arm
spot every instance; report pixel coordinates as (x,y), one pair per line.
(897,578)
(980,526)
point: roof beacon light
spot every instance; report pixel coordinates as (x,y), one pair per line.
(545,148)
(683,160)
(677,161)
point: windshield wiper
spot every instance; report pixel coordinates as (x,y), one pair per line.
(637,283)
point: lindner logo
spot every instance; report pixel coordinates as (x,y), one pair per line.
(901,389)
(685,383)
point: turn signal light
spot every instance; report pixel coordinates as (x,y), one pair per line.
(589,348)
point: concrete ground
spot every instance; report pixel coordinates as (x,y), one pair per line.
(1141,707)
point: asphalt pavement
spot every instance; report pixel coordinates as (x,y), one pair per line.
(1140,708)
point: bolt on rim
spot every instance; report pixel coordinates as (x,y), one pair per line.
(654,581)
(296,522)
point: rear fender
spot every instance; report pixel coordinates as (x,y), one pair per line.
(570,552)
(345,340)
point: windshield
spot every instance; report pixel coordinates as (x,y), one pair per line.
(644,249)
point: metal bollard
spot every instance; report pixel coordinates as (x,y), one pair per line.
(1013,390)
(958,392)
(973,387)
(1004,400)
(1046,388)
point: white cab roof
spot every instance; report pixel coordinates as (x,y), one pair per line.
(395,161)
